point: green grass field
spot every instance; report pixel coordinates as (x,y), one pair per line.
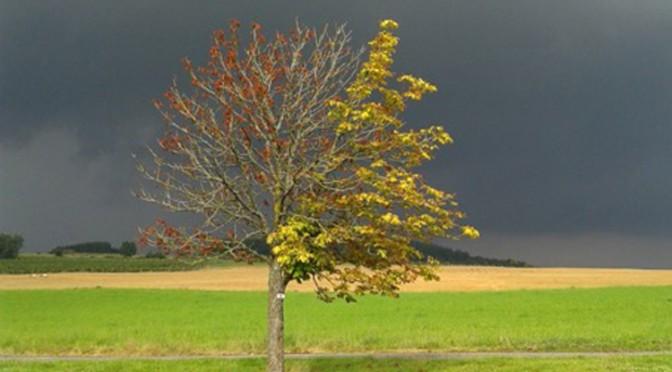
(648,363)
(43,263)
(155,322)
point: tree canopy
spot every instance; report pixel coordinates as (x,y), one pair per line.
(10,245)
(292,139)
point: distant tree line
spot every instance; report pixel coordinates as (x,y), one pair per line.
(458,257)
(442,254)
(10,245)
(127,249)
(87,247)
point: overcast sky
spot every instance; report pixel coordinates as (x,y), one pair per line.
(561,112)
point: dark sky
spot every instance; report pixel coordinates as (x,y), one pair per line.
(561,111)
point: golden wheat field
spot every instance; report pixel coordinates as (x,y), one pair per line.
(251,278)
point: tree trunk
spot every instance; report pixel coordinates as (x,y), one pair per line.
(276,321)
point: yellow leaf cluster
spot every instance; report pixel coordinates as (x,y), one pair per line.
(370,204)
(290,242)
(417,87)
(470,232)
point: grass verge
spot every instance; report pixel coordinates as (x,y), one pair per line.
(657,363)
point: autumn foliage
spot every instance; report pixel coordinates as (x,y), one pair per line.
(292,140)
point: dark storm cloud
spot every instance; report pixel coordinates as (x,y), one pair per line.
(560,110)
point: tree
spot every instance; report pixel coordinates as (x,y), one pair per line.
(10,244)
(128,249)
(86,247)
(292,140)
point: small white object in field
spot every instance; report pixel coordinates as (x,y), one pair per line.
(34,275)
(44,275)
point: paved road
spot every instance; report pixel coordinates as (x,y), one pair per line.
(401,355)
